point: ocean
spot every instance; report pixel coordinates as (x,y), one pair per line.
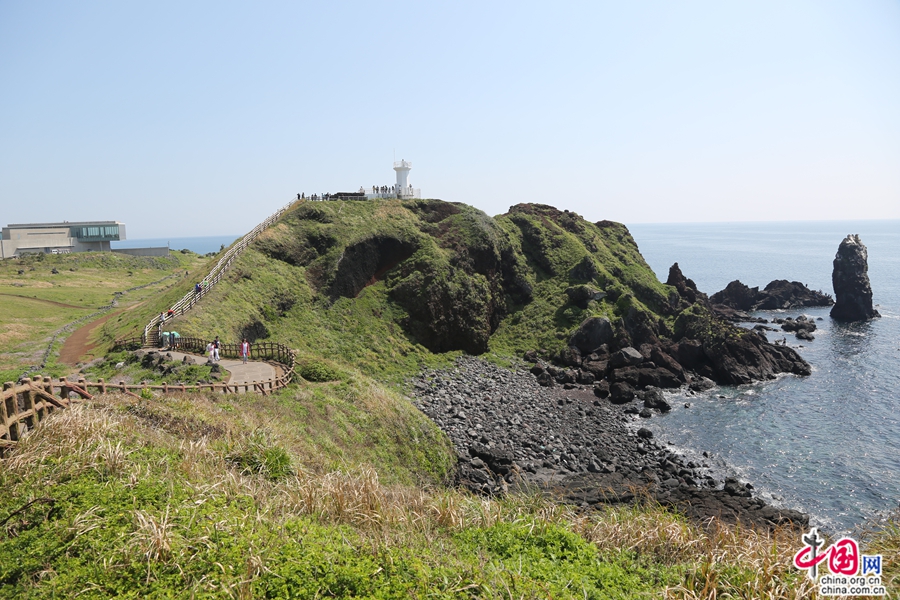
(827,444)
(200,245)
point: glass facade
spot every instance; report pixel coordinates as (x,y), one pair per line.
(96,233)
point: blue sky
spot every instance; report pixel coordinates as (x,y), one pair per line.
(202,118)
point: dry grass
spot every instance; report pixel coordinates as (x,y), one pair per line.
(728,561)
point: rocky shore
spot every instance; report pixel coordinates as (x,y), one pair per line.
(510,432)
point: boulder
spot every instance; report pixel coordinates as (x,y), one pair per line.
(629,375)
(545,379)
(626,357)
(597,367)
(657,377)
(584,377)
(620,393)
(799,324)
(850,279)
(580,295)
(653,398)
(749,358)
(664,360)
(781,293)
(591,334)
(570,356)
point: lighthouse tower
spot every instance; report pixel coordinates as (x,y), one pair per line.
(403,188)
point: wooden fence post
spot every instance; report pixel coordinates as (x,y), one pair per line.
(47,386)
(4,416)
(30,403)
(102,385)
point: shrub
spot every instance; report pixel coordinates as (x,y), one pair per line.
(317,371)
(259,454)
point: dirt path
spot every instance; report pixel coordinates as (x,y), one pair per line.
(41,300)
(78,345)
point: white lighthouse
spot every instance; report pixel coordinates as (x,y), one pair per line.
(403,188)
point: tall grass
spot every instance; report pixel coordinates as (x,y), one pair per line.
(169,530)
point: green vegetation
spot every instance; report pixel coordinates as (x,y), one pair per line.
(37,302)
(219,496)
(135,370)
(392,287)
(337,485)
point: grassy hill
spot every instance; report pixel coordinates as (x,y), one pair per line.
(337,486)
(391,286)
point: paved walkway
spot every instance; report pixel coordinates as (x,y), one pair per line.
(240,373)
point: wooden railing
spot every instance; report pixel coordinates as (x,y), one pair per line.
(259,351)
(25,405)
(188,301)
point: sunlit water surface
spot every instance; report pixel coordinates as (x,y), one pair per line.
(827,444)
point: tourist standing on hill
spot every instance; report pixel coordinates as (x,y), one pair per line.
(216,348)
(245,350)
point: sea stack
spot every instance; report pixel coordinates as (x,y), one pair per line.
(850,279)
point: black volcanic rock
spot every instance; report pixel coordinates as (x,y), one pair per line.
(736,295)
(591,334)
(779,294)
(687,289)
(850,279)
(511,433)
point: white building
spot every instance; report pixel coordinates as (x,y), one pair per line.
(59,238)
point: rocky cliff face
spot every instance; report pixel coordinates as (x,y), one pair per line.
(850,279)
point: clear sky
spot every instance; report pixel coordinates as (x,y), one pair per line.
(201,118)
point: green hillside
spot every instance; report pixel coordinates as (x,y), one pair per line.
(337,486)
(391,286)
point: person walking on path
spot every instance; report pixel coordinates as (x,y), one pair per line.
(211,351)
(245,350)
(216,348)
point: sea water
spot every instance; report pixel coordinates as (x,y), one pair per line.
(200,245)
(827,444)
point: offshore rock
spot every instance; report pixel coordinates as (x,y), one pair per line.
(850,279)
(779,294)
